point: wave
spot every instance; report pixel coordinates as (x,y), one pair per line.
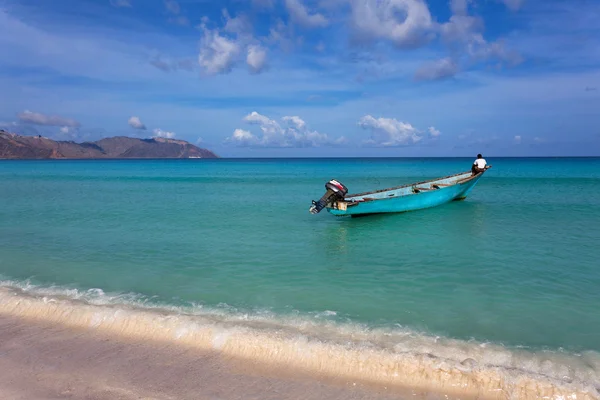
(318,344)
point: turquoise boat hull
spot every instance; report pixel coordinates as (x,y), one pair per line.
(411,197)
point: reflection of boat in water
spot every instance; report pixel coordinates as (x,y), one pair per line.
(410,197)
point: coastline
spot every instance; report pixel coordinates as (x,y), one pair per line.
(41,360)
(274,353)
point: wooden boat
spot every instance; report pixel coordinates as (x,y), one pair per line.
(410,197)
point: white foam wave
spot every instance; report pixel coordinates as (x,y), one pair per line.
(318,344)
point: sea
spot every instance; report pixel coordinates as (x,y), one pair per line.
(496,295)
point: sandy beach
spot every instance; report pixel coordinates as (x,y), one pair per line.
(49,361)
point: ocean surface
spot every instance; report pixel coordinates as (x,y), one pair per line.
(508,279)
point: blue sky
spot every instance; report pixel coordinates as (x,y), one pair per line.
(278,78)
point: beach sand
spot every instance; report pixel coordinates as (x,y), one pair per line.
(49,361)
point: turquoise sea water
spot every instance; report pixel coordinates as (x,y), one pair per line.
(516,264)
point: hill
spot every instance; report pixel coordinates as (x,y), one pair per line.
(15,146)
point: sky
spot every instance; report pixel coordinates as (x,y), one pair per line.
(308,78)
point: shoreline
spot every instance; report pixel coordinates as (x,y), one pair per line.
(49,361)
(276,353)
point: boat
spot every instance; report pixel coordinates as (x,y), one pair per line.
(414,196)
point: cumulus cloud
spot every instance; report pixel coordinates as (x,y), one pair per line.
(163,134)
(136,123)
(239,25)
(434,132)
(222,49)
(459,7)
(218,53)
(406,23)
(48,120)
(464,34)
(389,132)
(295,121)
(244,138)
(120,3)
(462,28)
(437,70)
(293,133)
(300,15)
(256,58)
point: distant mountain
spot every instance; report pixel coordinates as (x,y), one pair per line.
(37,147)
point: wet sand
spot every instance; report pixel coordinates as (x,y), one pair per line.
(49,361)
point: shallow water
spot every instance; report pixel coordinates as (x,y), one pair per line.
(513,267)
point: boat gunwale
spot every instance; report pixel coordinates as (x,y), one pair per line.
(413,184)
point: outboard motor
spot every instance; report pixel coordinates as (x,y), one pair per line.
(335,191)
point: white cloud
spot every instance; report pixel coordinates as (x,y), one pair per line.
(440,69)
(243,137)
(218,54)
(295,134)
(49,120)
(163,134)
(389,132)
(407,23)
(517,139)
(300,15)
(136,123)
(462,28)
(222,49)
(257,58)
(120,3)
(463,33)
(434,132)
(459,7)
(64,129)
(296,121)
(239,25)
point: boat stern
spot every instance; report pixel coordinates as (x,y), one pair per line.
(334,194)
